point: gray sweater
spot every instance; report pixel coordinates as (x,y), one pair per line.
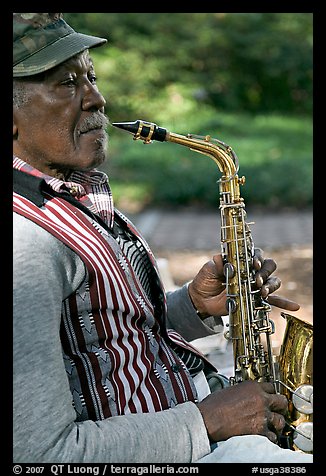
(44,427)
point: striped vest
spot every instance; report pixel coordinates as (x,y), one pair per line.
(114,341)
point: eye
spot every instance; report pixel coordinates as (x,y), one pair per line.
(70,82)
(92,78)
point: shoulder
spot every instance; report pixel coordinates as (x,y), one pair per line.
(25,231)
(28,236)
(34,244)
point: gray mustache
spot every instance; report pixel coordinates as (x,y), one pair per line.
(96,121)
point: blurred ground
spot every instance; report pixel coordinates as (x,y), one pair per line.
(183,240)
(294,267)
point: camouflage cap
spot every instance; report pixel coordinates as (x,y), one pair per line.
(44,40)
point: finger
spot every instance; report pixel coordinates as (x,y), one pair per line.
(211,271)
(216,305)
(272,284)
(272,436)
(218,261)
(278,403)
(268,267)
(268,387)
(283,303)
(258,259)
(276,422)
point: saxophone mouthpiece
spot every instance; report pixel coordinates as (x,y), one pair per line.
(148,131)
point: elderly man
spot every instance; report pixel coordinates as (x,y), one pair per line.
(103,371)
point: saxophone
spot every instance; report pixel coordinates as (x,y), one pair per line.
(250,327)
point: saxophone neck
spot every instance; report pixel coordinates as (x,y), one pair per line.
(221,153)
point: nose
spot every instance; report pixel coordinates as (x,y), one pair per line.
(92,98)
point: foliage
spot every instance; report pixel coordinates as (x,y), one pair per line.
(245,78)
(231,61)
(274,153)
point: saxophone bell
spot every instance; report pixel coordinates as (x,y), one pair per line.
(295,363)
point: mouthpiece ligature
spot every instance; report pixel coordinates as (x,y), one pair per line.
(147,131)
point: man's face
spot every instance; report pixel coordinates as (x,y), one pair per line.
(61,125)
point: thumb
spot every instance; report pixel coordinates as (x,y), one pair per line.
(216,305)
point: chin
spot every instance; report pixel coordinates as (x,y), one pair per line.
(91,164)
(94,157)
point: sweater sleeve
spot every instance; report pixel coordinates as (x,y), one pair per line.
(44,427)
(183,317)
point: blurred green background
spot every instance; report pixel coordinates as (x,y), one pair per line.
(244,78)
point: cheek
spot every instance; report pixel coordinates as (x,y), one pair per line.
(58,135)
(47,144)
(53,139)
(40,127)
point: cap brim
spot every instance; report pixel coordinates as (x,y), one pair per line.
(56,53)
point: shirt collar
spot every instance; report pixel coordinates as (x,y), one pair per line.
(91,188)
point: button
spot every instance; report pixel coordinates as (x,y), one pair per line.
(74,190)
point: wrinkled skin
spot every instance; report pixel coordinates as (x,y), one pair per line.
(248,408)
(60,125)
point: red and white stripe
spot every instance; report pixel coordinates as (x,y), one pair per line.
(126,329)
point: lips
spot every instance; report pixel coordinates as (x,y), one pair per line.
(94,129)
(93,123)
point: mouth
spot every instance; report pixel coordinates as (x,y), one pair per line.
(93,124)
(92,130)
(94,134)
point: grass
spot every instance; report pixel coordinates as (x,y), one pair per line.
(274,151)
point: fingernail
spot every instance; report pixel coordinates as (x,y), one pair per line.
(266,291)
(257,264)
(259,281)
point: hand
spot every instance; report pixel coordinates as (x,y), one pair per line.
(207,290)
(248,408)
